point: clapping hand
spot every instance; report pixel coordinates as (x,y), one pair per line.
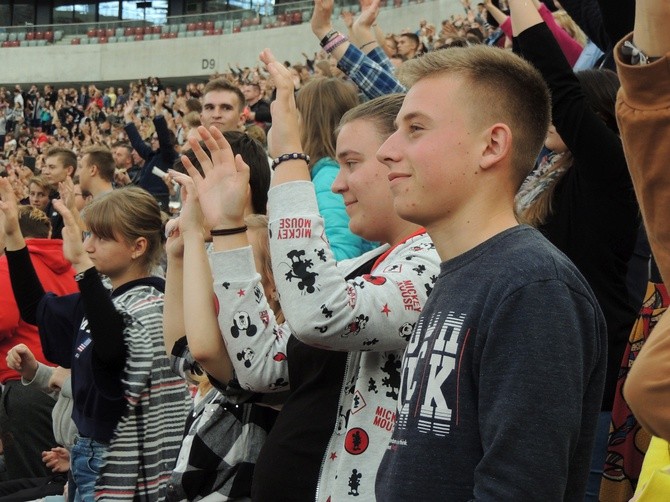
(224,189)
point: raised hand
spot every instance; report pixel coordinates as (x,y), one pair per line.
(129,110)
(362,27)
(22,360)
(224,189)
(174,246)
(348,18)
(73,249)
(10,219)
(321,17)
(66,192)
(284,135)
(190,217)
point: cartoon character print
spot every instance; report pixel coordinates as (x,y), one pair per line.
(419,269)
(356,326)
(374,279)
(258,294)
(372,386)
(392,381)
(370,341)
(327,313)
(321,253)
(242,325)
(429,287)
(300,269)
(247,355)
(354,482)
(406,330)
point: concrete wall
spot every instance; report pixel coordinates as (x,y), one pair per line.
(187,57)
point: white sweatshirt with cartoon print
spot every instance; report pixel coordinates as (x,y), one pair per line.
(371,317)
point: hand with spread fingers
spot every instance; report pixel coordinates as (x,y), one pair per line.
(66,192)
(73,248)
(284,135)
(9,207)
(224,189)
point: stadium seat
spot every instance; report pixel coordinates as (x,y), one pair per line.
(30,35)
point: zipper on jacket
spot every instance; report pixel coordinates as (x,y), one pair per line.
(340,402)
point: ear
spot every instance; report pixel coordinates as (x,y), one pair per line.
(71,170)
(139,247)
(498,145)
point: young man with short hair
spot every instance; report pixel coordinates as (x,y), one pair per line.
(408,46)
(222,106)
(504,372)
(60,164)
(259,109)
(96,172)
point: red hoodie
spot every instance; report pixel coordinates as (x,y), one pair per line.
(56,275)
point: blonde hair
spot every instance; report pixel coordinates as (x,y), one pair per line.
(259,224)
(564,20)
(128,213)
(321,103)
(34,222)
(501,87)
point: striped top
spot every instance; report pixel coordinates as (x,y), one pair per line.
(148,436)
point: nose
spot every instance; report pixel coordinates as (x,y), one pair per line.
(88,245)
(340,183)
(388,152)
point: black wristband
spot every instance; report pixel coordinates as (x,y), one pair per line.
(220,232)
(289,156)
(328,36)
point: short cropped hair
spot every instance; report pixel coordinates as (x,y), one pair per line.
(34,223)
(65,155)
(101,157)
(221,84)
(502,87)
(413,37)
(254,155)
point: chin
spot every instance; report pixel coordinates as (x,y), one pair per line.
(406,213)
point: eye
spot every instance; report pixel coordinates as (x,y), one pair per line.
(414,128)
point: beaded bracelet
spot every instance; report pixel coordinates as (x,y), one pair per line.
(328,36)
(220,232)
(335,42)
(289,156)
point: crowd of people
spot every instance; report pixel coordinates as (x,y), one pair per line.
(475,214)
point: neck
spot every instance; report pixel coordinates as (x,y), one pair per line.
(100,188)
(400,232)
(456,235)
(131,274)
